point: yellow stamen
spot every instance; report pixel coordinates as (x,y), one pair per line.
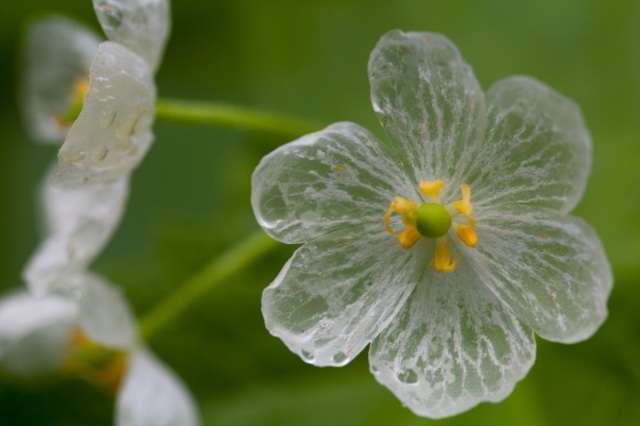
(414,214)
(464,206)
(431,188)
(409,237)
(442,258)
(401,205)
(467,235)
(406,208)
(387,216)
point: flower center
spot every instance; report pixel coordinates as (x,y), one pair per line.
(434,220)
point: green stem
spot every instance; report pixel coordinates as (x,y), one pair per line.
(224,115)
(219,269)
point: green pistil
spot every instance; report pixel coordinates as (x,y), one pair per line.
(432,220)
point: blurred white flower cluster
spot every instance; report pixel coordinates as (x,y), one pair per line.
(99,99)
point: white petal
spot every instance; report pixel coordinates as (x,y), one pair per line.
(428,102)
(58,52)
(105,315)
(78,223)
(338,177)
(141,25)
(454,346)
(537,149)
(113,132)
(152,395)
(336,294)
(33,332)
(550,270)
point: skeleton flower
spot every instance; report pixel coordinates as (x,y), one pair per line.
(94,338)
(444,248)
(58,55)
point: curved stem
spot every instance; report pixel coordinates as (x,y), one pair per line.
(224,115)
(220,268)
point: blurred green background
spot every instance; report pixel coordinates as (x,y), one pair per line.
(190,199)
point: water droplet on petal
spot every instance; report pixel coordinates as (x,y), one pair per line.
(108,118)
(73,157)
(100,154)
(340,358)
(111,13)
(408,376)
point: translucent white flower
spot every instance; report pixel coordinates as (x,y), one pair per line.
(103,103)
(113,131)
(444,248)
(94,338)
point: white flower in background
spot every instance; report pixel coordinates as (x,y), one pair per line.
(444,248)
(102,98)
(58,54)
(104,104)
(93,338)
(113,131)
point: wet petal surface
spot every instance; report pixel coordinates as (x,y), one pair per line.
(336,294)
(338,177)
(537,149)
(453,346)
(550,270)
(429,103)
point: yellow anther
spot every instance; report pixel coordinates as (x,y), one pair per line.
(409,237)
(467,235)
(442,258)
(431,188)
(464,206)
(400,205)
